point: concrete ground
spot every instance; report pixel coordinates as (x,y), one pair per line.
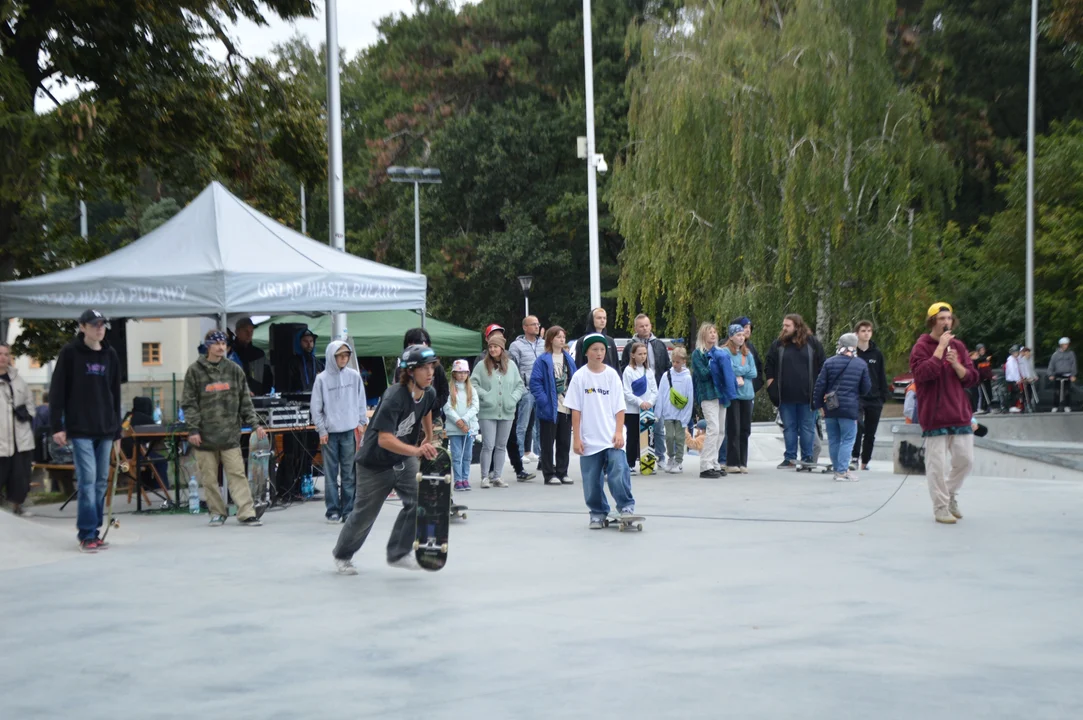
(535,616)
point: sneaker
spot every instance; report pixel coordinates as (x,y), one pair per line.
(345,567)
(864,466)
(1054,410)
(942,515)
(406,562)
(633,471)
(710,474)
(485,484)
(251,522)
(458,484)
(524,476)
(733,469)
(530,457)
(953,508)
(88,546)
(677,468)
(217,520)
(596,524)
(1014,410)
(497,482)
(721,471)
(839,477)
(853,464)
(466,486)
(744,470)
(334,518)
(552,481)
(851,476)
(102,544)
(392,495)
(567,481)
(787,465)
(1067,409)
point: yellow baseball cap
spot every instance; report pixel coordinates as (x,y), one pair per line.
(936,308)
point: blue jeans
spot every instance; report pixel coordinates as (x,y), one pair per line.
(609,467)
(338,473)
(841,433)
(91,458)
(799,423)
(660,439)
(525,407)
(462,451)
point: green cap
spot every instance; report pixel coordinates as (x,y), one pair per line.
(589,340)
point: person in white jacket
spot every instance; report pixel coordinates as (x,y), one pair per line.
(675,419)
(339,410)
(1013,377)
(640,393)
(461,411)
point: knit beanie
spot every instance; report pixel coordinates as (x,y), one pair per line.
(589,340)
(496,338)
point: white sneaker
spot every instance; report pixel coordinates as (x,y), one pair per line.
(530,457)
(676,468)
(1067,409)
(633,471)
(406,562)
(345,567)
(1014,410)
(567,481)
(840,477)
(744,470)
(1054,409)
(942,515)
(497,482)
(485,484)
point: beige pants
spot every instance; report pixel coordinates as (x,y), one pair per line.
(236,481)
(948,459)
(715,415)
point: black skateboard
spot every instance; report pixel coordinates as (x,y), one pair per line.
(434,508)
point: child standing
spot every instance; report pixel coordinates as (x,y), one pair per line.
(595,397)
(461,411)
(640,392)
(676,389)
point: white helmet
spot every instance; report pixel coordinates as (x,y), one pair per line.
(1063,341)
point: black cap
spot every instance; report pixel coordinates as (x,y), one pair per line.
(90,316)
(307,333)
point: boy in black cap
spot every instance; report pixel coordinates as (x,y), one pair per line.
(84,407)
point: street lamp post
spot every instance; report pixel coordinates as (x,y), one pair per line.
(525,281)
(1031,95)
(417,176)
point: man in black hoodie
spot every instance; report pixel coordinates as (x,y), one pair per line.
(84,407)
(304,365)
(596,322)
(872,403)
(792,365)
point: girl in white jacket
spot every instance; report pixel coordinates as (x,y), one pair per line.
(640,392)
(461,411)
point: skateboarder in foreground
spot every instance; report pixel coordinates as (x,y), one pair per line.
(596,398)
(389,459)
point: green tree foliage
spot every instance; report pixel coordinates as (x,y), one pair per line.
(777,167)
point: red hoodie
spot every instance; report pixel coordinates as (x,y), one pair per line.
(942,400)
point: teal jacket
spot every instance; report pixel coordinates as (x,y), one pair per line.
(746,371)
(702,382)
(499,393)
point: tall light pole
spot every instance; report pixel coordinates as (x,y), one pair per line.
(417,176)
(525,281)
(1031,100)
(595,162)
(334,153)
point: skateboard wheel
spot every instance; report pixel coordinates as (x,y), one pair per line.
(419,478)
(639,527)
(416,544)
(443,548)
(462,515)
(447,479)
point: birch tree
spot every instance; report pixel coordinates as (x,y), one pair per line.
(775,165)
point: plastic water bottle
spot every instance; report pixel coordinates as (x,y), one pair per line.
(193,495)
(157,413)
(307,488)
(180,414)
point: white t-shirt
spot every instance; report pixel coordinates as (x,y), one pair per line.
(598,397)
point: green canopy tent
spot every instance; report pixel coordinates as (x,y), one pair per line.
(380,334)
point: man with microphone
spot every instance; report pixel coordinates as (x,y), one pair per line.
(942,372)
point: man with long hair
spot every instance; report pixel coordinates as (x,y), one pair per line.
(791,366)
(942,372)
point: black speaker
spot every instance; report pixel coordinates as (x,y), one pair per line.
(281,338)
(117,337)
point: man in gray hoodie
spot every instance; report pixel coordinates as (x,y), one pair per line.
(527,348)
(1062,373)
(339,414)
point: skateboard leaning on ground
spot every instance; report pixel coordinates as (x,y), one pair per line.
(259,472)
(626,522)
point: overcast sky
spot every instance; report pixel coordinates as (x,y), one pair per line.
(356,30)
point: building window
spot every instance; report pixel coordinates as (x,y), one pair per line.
(152,353)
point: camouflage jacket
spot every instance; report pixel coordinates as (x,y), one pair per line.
(216,403)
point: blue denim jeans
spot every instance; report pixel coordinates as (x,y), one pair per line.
(606,467)
(799,422)
(338,472)
(841,433)
(462,451)
(91,459)
(525,407)
(660,439)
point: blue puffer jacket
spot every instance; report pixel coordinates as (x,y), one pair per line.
(725,382)
(543,385)
(849,378)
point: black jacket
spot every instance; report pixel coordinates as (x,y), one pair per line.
(793,374)
(880,390)
(759,380)
(303,370)
(659,360)
(84,393)
(611,348)
(257,369)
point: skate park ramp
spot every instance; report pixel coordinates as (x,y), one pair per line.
(27,542)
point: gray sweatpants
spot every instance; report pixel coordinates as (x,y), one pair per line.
(373,487)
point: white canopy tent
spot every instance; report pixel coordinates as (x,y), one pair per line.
(216,256)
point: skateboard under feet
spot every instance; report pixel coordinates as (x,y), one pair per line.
(813,468)
(625,522)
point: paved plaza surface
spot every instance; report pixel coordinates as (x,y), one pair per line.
(535,616)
